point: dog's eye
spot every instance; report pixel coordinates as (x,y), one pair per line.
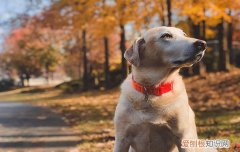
(166,36)
(184,34)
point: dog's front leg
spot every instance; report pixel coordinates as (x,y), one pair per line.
(122,141)
(121,123)
(184,127)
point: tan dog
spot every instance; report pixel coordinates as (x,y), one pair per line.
(149,122)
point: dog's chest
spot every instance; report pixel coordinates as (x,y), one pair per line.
(150,137)
(152,111)
(145,112)
(149,105)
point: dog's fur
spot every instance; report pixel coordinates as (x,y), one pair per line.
(159,124)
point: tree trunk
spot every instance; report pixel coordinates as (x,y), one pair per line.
(204,30)
(123,48)
(229,42)
(47,73)
(169,12)
(22,80)
(106,65)
(196,34)
(85,61)
(162,15)
(222,54)
(28,78)
(204,26)
(79,54)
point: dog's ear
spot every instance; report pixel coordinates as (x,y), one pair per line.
(132,53)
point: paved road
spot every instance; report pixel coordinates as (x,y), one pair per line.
(28,128)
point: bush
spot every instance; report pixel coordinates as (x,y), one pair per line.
(6,84)
(71,86)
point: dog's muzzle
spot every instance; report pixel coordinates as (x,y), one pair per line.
(197,53)
(199,50)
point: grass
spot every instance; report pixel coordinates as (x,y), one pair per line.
(92,112)
(219,125)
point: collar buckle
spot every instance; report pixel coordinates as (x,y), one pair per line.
(145,93)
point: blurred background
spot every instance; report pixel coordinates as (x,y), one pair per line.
(68,55)
(85,40)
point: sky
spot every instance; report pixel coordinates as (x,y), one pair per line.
(10,9)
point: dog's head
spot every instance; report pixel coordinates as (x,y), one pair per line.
(165,46)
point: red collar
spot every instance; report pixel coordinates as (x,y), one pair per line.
(157,90)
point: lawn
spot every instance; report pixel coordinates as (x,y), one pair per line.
(216,103)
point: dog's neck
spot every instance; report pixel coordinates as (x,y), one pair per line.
(153,76)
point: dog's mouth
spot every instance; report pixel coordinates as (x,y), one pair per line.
(191,60)
(199,56)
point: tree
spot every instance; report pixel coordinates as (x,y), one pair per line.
(151,10)
(75,16)
(23,60)
(17,56)
(124,12)
(169,14)
(222,54)
(103,25)
(229,41)
(49,59)
(29,50)
(106,65)
(159,9)
(221,16)
(231,6)
(85,60)
(107,22)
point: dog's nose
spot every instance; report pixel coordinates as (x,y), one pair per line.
(200,45)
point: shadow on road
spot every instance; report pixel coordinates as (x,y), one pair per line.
(26,126)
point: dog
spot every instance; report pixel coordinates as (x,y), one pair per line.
(153,113)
